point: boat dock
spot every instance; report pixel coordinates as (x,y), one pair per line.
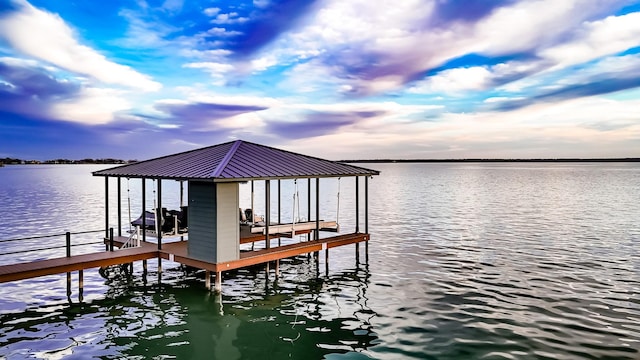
(212,226)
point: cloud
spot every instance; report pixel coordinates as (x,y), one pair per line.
(265,25)
(595,39)
(448,11)
(27,88)
(315,124)
(30,89)
(571,128)
(91,106)
(456,81)
(199,115)
(608,75)
(27,79)
(377,47)
(47,37)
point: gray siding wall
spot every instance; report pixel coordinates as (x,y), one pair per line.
(214,230)
(228,222)
(202,221)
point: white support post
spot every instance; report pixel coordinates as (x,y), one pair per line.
(218,282)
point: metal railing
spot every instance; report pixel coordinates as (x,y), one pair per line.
(67,244)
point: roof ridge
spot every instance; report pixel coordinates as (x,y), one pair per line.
(225,161)
(159,158)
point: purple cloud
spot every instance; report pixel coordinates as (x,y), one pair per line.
(195,112)
(319,123)
(30,90)
(266,24)
(34,82)
(448,11)
(595,87)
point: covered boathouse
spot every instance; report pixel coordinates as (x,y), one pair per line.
(210,239)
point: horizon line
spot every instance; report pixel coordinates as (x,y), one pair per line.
(626,159)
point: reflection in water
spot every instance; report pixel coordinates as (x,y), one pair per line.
(299,316)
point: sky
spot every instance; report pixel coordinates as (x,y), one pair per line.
(357,79)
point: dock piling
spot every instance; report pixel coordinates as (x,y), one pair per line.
(218,283)
(68,245)
(69,286)
(68,239)
(80,284)
(266,271)
(207,279)
(110,239)
(326,261)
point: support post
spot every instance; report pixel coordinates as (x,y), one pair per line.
(110,239)
(159,270)
(357,204)
(357,217)
(366,217)
(181,204)
(279,218)
(267,215)
(207,279)
(266,272)
(119,206)
(309,201)
(106,206)
(326,261)
(68,241)
(218,282)
(144,268)
(80,284)
(277,268)
(159,215)
(317,230)
(253,214)
(144,210)
(366,204)
(69,286)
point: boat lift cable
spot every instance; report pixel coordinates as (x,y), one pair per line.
(129,203)
(293,211)
(338,207)
(155,209)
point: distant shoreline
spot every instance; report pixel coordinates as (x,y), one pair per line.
(568,160)
(364,161)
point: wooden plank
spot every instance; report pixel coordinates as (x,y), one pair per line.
(287,251)
(301,226)
(33,269)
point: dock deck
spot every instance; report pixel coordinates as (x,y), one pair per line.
(173,251)
(60,265)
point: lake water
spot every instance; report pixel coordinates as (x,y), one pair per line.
(466,261)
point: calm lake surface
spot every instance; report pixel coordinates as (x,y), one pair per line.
(466,261)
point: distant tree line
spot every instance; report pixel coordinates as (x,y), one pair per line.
(629,159)
(14,161)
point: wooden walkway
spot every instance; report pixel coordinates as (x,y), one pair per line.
(33,269)
(173,251)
